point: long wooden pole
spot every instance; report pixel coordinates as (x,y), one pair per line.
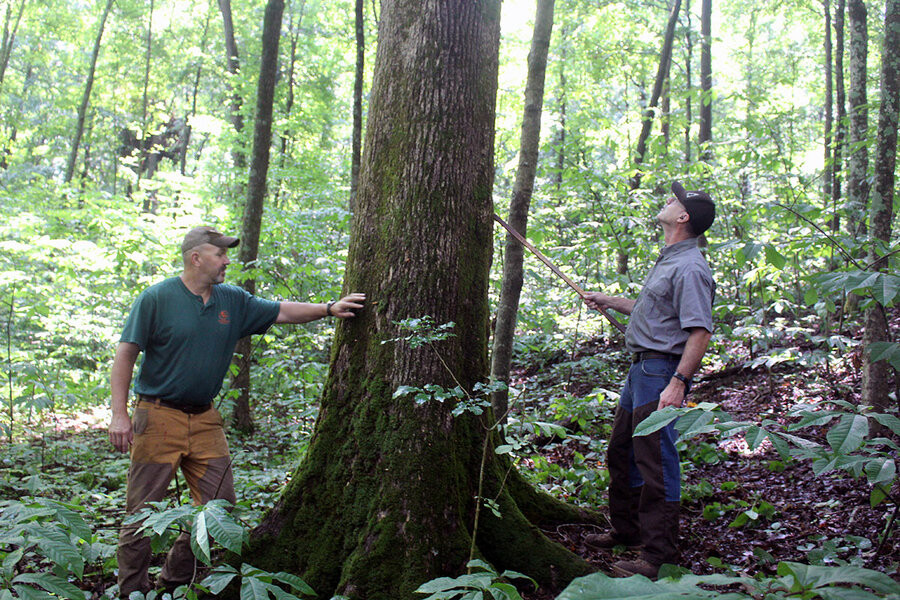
(556,270)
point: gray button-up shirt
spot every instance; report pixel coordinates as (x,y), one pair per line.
(676,296)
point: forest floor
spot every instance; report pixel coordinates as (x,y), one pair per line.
(801,516)
(824,519)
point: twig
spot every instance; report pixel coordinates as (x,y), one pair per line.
(834,242)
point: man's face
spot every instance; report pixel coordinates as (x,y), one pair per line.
(212,262)
(671,212)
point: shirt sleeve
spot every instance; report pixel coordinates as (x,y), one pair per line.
(139,323)
(259,314)
(693,298)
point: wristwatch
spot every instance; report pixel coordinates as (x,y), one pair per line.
(328,307)
(686,381)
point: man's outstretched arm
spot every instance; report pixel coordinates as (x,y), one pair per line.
(304,312)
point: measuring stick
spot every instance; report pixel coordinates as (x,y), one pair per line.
(556,270)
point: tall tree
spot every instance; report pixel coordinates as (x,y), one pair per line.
(689,84)
(858,158)
(10,27)
(529,143)
(233,65)
(875,375)
(145,127)
(388,493)
(86,96)
(840,133)
(827,178)
(359,76)
(256,193)
(706,101)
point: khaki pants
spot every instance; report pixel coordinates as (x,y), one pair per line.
(165,439)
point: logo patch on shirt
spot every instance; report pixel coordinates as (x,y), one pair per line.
(223,317)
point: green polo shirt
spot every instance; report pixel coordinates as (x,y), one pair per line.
(187,345)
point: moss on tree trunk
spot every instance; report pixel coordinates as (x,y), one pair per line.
(385,498)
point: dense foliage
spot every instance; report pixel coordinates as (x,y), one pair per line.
(74,255)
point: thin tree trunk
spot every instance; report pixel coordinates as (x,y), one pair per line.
(385,498)
(561,151)
(9,36)
(857,186)
(689,83)
(86,97)
(232,64)
(356,155)
(289,100)
(827,176)
(145,152)
(662,71)
(705,138)
(876,375)
(511,287)
(256,192)
(840,133)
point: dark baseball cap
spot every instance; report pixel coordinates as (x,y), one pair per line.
(207,235)
(699,206)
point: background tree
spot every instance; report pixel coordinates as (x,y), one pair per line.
(420,245)
(876,379)
(256,193)
(706,102)
(86,97)
(858,155)
(513,257)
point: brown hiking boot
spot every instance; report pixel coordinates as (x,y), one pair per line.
(627,568)
(607,541)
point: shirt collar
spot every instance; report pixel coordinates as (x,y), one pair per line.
(679,247)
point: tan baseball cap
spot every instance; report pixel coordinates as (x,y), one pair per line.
(207,235)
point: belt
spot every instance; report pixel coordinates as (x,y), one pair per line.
(639,356)
(190,409)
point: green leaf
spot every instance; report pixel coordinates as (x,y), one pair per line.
(29,593)
(200,539)
(881,470)
(599,586)
(57,546)
(849,434)
(295,582)
(503,449)
(774,257)
(811,576)
(222,526)
(52,583)
(885,288)
(755,436)
(657,420)
(887,351)
(254,589)
(405,390)
(219,579)
(889,421)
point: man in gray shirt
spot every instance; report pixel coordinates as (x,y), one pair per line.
(667,335)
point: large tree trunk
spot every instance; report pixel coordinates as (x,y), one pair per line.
(385,499)
(511,287)
(705,137)
(689,83)
(86,96)
(256,193)
(876,375)
(857,186)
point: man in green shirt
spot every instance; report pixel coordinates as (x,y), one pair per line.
(187,327)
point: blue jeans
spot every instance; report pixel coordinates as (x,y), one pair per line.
(645,471)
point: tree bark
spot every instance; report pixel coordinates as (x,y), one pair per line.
(256,193)
(689,83)
(359,76)
(86,96)
(233,66)
(858,159)
(561,151)
(9,36)
(876,375)
(840,133)
(705,137)
(827,176)
(662,72)
(513,257)
(385,497)
(146,153)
